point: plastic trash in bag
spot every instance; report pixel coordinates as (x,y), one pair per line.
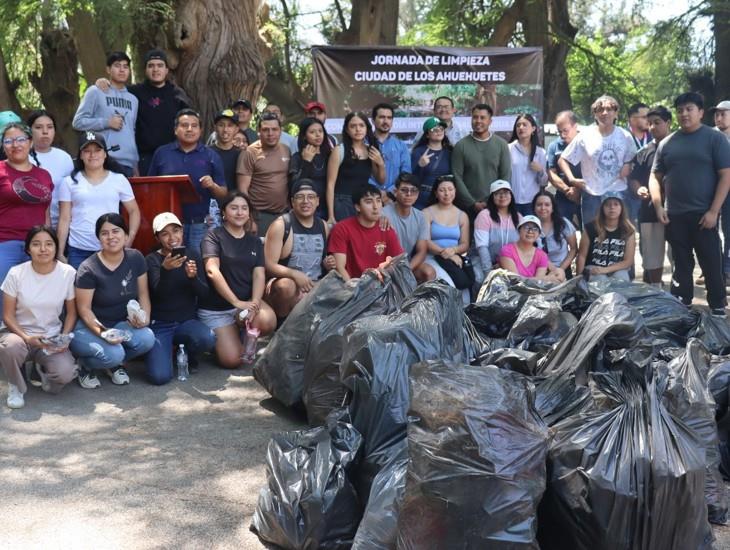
(308,502)
(323,391)
(379,351)
(625,476)
(688,398)
(379,525)
(714,332)
(280,368)
(477,460)
(718,382)
(540,324)
(517,360)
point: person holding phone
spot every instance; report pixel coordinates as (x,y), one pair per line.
(177,281)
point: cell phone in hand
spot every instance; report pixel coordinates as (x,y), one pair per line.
(178,251)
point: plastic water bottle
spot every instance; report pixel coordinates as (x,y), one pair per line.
(249,345)
(214,214)
(182,363)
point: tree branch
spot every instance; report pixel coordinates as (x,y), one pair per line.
(341,15)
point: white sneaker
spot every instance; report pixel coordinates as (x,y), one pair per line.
(119,376)
(15,398)
(88,381)
(45,384)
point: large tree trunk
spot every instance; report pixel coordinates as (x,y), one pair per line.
(8,99)
(373,23)
(58,84)
(88,44)
(721,30)
(220,53)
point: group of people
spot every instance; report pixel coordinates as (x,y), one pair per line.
(277,212)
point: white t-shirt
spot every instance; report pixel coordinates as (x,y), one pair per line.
(59,164)
(88,202)
(601,158)
(40,298)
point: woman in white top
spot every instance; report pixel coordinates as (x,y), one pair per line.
(56,161)
(34,295)
(92,189)
(558,238)
(529,163)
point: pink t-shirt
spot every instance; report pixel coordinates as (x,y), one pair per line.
(539,259)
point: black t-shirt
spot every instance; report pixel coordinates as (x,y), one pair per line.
(606,252)
(238,258)
(640,172)
(173,294)
(156,116)
(112,289)
(230,160)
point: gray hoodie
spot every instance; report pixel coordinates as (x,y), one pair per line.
(97,108)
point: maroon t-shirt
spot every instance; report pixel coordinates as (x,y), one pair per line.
(24,199)
(365,247)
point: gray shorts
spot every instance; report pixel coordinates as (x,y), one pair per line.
(217,319)
(652,245)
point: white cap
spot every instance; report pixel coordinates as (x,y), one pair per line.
(530,219)
(722,106)
(163,220)
(499,184)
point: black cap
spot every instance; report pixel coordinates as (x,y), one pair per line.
(92,137)
(226,113)
(303,184)
(245,102)
(155,54)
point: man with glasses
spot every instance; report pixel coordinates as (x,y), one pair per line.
(604,152)
(410,225)
(443,108)
(567,196)
(187,155)
(294,249)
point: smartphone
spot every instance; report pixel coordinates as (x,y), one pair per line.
(178,251)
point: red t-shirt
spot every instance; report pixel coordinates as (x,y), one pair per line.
(365,247)
(24,199)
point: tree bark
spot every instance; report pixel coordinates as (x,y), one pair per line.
(8,99)
(90,49)
(58,84)
(721,31)
(221,56)
(373,22)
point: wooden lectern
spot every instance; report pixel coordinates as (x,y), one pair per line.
(156,194)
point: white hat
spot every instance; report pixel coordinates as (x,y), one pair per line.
(499,184)
(163,220)
(530,219)
(722,106)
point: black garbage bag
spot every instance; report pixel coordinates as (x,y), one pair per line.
(378,353)
(323,391)
(714,332)
(308,502)
(540,324)
(517,360)
(688,398)
(280,368)
(558,396)
(626,476)
(379,525)
(477,460)
(610,333)
(718,382)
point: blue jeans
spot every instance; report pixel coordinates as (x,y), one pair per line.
(77,255)
(725,224)
(196,337)
(525,208)
(568,209)
(94,352)
(590,204)
(193,234)
(12,253)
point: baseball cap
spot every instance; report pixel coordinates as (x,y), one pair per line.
(722,106)
(431,123)
(163,220)
(226,113)
(6,117)
(303,184)
(530,219)
(612,195)
(315,105)
(92,137)
(245,102)
(499,184)
(155,54)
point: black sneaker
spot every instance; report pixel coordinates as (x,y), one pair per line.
(718,312)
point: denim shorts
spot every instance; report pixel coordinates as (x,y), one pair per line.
(217,319)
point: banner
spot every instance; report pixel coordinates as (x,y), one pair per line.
(355,78)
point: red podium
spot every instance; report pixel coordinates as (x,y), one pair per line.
(156,194)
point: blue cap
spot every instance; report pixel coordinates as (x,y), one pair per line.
(6,117)
(612,195)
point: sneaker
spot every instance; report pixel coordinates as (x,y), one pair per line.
(88,380)
(15,398)
(119,376)
(45,384)
(719,312)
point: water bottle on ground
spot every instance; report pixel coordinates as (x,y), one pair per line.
(249,344)
(182,364)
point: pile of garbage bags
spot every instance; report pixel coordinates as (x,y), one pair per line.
(580,415)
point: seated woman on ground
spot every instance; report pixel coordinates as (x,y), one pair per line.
(234,264)
(523,257)
(34,296)
(105,284)
(496,225)
(558,238)
(608,243)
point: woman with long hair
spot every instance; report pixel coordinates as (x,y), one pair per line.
(529,162)
(310,161)
(351,164)
(35,295)
(431,158)
(92,189)
(496,225)
(558,238)
(43,154)
(608,243)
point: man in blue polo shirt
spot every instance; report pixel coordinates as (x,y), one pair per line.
(188,156)
(395,153)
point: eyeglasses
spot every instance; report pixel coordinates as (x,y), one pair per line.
(408,190)
(438,128)
(604,108)
(302,198)
(531,228)
(20,140)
